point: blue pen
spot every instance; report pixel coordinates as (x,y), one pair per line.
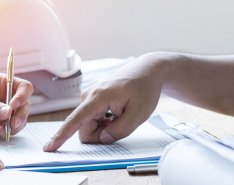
(88,167)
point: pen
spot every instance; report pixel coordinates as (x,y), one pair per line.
(142,168)
(9,86)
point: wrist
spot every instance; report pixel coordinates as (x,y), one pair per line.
(164,66)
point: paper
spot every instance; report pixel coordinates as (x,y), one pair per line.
(212,143)
(228,140)
(10,177)
(25,149)
(179,130)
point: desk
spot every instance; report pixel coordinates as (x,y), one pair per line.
(213,122)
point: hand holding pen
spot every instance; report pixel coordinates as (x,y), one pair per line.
(16,109)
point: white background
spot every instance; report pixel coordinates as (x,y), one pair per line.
(121,28)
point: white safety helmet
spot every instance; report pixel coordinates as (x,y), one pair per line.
(43,53)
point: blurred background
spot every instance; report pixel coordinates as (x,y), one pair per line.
(122,28)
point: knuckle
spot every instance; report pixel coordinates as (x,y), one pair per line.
(99,91)
(87,137)
(29,86)
(83,135)
(83,96)
(83,138)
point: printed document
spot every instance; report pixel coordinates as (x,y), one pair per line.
(25,149)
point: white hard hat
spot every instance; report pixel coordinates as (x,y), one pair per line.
(42,49)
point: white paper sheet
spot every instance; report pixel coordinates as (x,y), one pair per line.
(26,147)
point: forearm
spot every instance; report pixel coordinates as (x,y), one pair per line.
(205,81)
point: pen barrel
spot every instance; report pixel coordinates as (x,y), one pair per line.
(143,168)
(146,168)
(8,99)
(9,93)
(8,126)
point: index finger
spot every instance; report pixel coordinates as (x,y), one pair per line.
(83,114)
(23,90)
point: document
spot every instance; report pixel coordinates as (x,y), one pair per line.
(11,177)
(215,144)
(24,150)
(179,130)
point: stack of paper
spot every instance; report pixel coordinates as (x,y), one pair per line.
(144,145)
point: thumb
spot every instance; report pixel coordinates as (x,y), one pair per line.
(120,128)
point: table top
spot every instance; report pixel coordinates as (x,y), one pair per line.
(215,123)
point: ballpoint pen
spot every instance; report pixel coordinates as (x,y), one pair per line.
(9,86)
(142,168)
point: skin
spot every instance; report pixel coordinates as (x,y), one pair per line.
(19,106)
(132,94)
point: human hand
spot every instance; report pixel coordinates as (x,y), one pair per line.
(18,109)
(131,94)
(1,165)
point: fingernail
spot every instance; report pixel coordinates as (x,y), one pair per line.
(4,111)
(1,165)
(106,138)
